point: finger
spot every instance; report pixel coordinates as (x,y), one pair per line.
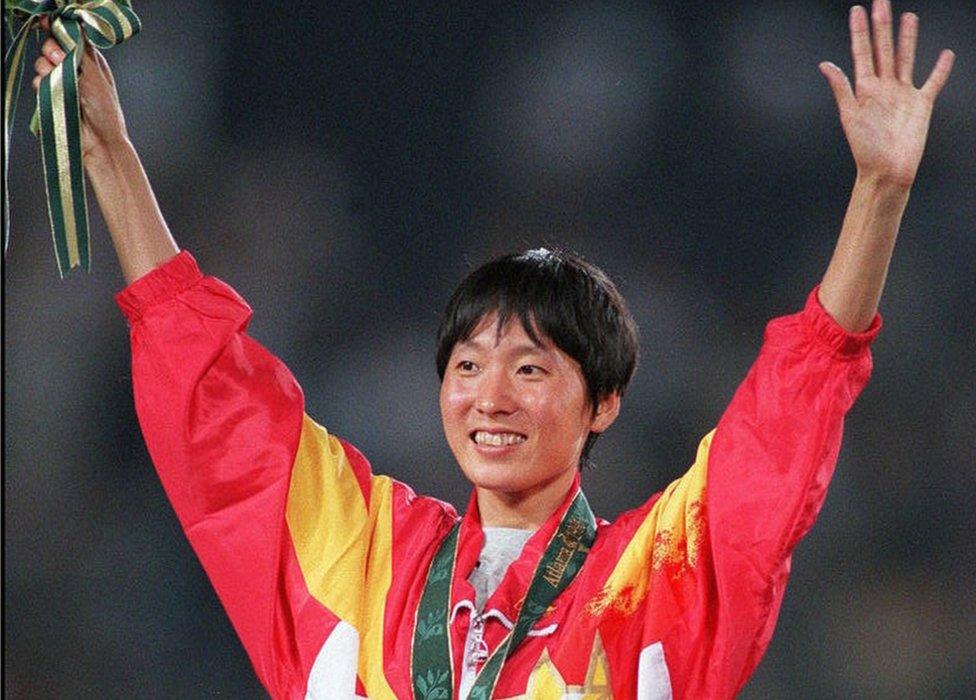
(839,84)
(861,45)
(46,23)
(907,39)
(884,53)
(42,67)
(940,74)
(52,51)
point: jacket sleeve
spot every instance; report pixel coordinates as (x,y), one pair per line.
(706,562)
(769,465)
(255,484)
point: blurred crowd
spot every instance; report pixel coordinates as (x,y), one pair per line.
(344,166)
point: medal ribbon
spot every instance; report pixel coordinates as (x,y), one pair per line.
(57,120)
(432,666)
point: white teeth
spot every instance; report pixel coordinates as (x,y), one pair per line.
(498,439)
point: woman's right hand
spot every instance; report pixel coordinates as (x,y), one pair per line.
(102,123)
(140,235)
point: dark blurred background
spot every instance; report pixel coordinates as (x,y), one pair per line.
(344,166)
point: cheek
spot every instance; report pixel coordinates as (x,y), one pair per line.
(454,401)
(565,394)
(552,409)
(564,411)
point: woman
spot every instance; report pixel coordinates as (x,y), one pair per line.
(342,582)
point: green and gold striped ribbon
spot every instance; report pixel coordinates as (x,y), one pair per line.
(57,120)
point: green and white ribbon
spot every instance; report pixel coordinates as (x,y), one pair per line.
(431,661)
(57,120)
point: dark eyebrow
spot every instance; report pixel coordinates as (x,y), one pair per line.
(518,350)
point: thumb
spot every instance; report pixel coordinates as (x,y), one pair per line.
(839,84)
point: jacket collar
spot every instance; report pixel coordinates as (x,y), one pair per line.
(507,598)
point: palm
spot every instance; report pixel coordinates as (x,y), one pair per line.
(885,117)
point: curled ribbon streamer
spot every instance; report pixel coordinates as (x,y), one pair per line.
(57,120)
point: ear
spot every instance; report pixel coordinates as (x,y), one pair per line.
(606,412)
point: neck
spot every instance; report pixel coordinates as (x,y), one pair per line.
(525,510)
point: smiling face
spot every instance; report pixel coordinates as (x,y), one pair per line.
(516,415)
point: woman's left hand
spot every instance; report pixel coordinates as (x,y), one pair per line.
(885,117)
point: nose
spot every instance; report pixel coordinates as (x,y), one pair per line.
(495,394)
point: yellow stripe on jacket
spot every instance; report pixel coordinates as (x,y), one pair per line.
(668,539)
(343,544)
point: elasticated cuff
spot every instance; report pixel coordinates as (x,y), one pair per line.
(831,333)
(158,285)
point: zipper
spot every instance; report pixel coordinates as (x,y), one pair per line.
(478,647)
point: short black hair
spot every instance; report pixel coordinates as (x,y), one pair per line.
(560,295)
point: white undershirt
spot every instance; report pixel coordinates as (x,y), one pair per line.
(502,546)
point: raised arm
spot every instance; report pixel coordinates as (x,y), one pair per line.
(282,514)
(139,233)
(886,121)
(710,558)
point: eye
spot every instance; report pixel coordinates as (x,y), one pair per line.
(466,367)
(531,370)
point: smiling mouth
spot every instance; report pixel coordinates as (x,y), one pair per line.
(483,437)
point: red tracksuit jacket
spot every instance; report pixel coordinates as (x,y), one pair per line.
(320,563)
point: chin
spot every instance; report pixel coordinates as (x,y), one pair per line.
(511,478)
(493,478)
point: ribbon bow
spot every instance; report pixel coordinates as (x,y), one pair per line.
(57,120)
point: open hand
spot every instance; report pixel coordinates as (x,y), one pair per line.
(885,117)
